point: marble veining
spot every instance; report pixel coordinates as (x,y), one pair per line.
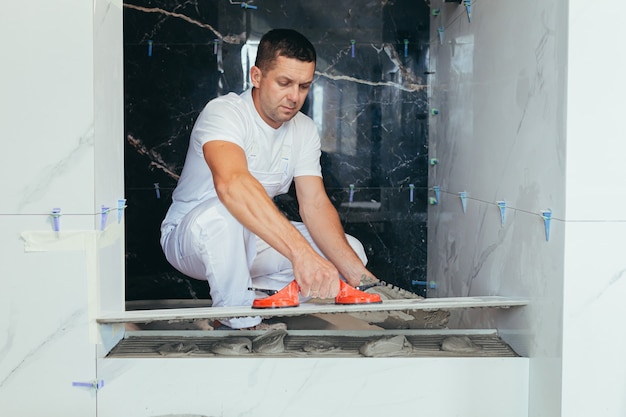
(39,186)
(65,326)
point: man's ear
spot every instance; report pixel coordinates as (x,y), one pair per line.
(255,76)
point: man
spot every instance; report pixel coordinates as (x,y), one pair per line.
(223,225)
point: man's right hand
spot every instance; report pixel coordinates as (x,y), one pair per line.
(316,276)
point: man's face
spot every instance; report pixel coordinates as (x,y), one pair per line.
(281,91)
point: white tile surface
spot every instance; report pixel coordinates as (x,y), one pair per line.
(500,137)
(48,292)
(313,387)
(46,109)
(596,171)
(594,370)
(108,85)
(43,319)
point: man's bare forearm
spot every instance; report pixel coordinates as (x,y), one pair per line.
(246,199)
(327,232)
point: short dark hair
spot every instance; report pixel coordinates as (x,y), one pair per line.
(283,42)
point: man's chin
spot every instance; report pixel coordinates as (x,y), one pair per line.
(287,117)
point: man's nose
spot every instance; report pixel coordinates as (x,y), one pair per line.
(293,94)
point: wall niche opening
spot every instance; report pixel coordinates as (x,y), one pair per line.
(369,101)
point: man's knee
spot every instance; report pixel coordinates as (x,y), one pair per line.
(357,246)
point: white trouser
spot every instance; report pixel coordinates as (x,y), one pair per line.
(210,244)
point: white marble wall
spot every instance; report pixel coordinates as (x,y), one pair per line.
(312,387)
(108,85)
(530,97)
(61,118)
(594,340)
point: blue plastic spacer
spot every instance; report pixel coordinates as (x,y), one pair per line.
(351,197)
(406,48)
(56,223)
(468,8)
(463,197)
(157,190)
(96,384)
(121,205)
(352,43)
(411,192)
(469,14)
(103,219)
(547,217)
(150,47)
(502,205)
(436,189)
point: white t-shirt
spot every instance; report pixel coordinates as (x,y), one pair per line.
(275,156)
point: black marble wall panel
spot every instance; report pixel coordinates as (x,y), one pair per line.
(369,100)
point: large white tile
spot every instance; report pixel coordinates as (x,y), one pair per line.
(108,85)
(500,137)
(46,107)
(314,387)
(594,308)
(595,125)
(46,344)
